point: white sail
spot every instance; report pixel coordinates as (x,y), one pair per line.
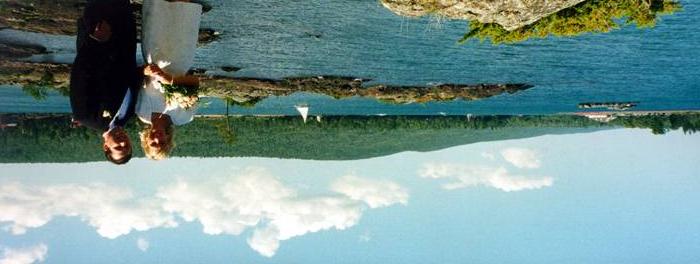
(304,111)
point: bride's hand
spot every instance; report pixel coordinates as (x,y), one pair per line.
(156,72)
(152,70)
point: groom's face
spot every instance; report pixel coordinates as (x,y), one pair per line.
(117,146)
(102,32)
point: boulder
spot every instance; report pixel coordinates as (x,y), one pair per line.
(510,14)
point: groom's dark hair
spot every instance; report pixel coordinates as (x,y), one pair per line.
(122,161)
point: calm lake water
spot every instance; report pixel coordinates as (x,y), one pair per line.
(657,67)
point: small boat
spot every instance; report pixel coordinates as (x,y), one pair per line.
(303,109)
(3,126)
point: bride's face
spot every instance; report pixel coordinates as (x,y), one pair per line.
(159,139)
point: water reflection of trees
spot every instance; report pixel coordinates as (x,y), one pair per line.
(594,16)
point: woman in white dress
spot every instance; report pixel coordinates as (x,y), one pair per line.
(169,39)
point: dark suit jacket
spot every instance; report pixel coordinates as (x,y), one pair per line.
(102,72)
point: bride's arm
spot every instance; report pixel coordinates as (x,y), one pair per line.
(185,80)
(165,78)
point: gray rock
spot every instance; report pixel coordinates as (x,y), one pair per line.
(510,14)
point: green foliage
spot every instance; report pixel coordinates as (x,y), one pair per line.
(336,138)
(63,90)
(246,104)
(171,89)
(227,132)
(661,124)
(50,139)
(39,90)
(593,16)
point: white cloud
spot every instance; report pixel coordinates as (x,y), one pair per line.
(366,236)
(112,211)
(521,158)
(28,255)
(252,200)
(375,193)
(463,176)
(488,156)
(258,201)
(143,244)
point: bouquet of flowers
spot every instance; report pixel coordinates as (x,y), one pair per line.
(184,96)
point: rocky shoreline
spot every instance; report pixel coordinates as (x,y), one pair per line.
(510,14)
(60,17)
(244,90)
(248,91)
(12,50)
(56,76)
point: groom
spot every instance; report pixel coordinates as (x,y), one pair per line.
(103,85)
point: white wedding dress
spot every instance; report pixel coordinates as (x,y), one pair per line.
(169,40)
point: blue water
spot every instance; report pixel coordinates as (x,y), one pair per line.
(273,39)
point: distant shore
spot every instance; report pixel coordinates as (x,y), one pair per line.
(634,113)
(4,116)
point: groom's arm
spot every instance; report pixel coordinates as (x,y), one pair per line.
(131,98)
(124,28)
(84,104)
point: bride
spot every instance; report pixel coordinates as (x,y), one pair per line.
(168,97)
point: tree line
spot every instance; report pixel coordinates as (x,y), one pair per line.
(49,138)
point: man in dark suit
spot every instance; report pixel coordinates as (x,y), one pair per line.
(104,76)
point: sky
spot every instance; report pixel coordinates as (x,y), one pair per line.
(615,196)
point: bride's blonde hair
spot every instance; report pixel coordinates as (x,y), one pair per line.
(157,153)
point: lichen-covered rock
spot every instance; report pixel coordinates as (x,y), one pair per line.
(11,50)
(510,14)
(246,90)
(35,73)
